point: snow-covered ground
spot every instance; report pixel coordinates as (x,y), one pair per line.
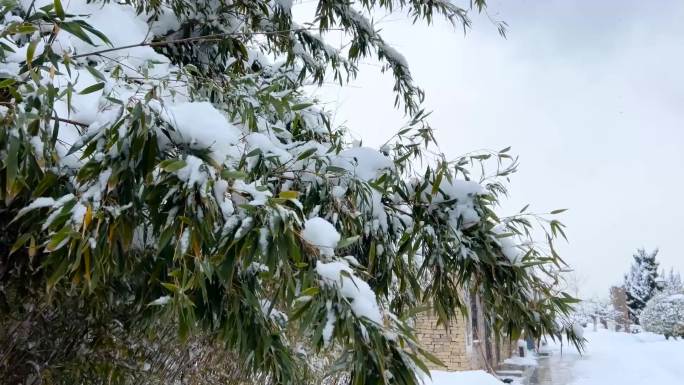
(470,377)
(626,359)
(611,358)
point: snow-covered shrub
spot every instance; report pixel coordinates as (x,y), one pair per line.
(162,170)
(664,314)
(595,310)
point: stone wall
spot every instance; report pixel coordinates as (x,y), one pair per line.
(449,346)
(458,347)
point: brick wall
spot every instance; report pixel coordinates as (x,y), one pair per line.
(455,346)
(449,346)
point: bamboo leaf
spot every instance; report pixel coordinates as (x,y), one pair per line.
(289,194)
(348,241)
(90,89)
(59,10)
(307,153)
(172,165)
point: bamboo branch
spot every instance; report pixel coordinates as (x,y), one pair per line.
(75,123)
(214,37)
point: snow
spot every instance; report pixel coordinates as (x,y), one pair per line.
(364,162)
(78,213)
(259,197)
(55,206)
(664,313)
(36,204)
(225,204)
(322,234)
(120,24)
(528,360)
(329,327)
(191,172)
(624,359)
(363,301)
(393,55)
(202,126)
(19,54)
(462,190)
(378,211)
(578,330)
(255,268)
(184,241)
(468,377)
(161,301)
(463,211)
(285,4)
(339,191)
(267,145)
(505,239)
(268,310)
(84,108)
(9,70)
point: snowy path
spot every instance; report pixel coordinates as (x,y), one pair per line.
(554,370)
(617,358)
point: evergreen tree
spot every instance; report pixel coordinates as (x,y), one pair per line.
(641,282)
(672,282)
(175,209)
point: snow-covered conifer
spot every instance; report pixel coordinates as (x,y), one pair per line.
(672,282)
(641,282)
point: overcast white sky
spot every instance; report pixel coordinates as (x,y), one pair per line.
(590,94)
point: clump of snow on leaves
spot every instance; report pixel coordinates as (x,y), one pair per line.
(321,234)
(342,277)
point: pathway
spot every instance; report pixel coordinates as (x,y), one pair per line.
(554,369)
(613,358)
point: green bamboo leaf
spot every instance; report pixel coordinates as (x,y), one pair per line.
(58,240)
(6,83)
(90,89)
(172,165)
(12,162)
(59,10)
(97,74)
(95,32)
(307,153)
(431,358)
(310,291)
(58,273)
(288,194)
(233,174)
(301,106)
(30,51)
(76,30)
(45,183)
(26,28)
(438,181)
(347,241)
(336,170)
(20,242)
